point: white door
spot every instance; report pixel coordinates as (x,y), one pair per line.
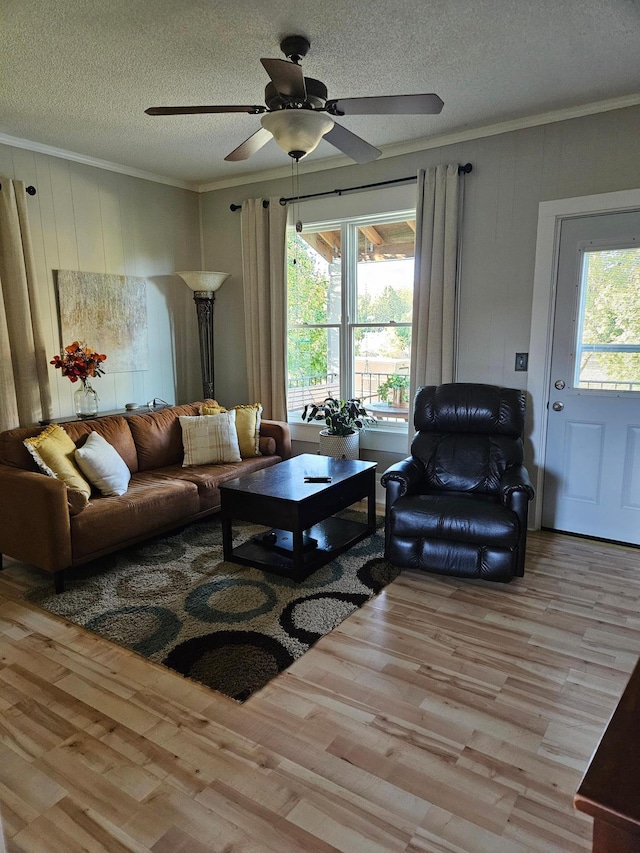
(592,462)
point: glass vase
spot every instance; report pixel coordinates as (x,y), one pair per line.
(85,401)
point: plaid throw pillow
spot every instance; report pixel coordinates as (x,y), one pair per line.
(208,439)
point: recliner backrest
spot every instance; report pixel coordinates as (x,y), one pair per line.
(467,434)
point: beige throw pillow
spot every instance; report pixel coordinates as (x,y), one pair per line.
(247,426)
(208,439)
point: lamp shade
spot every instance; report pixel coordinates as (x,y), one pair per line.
(201,280)
(297,131)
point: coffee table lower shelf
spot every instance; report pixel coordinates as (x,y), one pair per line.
(334,536)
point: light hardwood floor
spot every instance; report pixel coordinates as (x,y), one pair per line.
(442,716)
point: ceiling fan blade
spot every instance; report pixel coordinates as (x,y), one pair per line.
(287,77)
(251,145)
(386,105)
(178,111)
(351,145)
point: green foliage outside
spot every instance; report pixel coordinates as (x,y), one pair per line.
(310,295)
(612,315)
(396,382)
(392,304)
(307,299)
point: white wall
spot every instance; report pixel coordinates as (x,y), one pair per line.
(99,221)
(512,173)
(90,219)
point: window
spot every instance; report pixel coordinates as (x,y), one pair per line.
(608,335)
(350,298)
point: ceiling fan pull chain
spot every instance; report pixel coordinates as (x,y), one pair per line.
(298,222)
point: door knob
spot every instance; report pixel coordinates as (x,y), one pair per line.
(557,406)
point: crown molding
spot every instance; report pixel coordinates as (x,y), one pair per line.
(398,148)
(393,150)
(63,154)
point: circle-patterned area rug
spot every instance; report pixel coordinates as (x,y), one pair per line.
(233,628)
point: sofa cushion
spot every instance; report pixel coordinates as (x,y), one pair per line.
(103,466)
(114,429)
(158,437)
(149,505)
(54,452)
(13,451)
(207,478)
(210,439)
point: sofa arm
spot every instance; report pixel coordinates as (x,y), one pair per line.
(281,433)
(34,519)
(401,479)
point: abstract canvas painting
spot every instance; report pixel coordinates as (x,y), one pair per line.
(107,312)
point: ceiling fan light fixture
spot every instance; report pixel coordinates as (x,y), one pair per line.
(297,131)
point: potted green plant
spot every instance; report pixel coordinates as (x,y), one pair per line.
(344,419)
(395,390)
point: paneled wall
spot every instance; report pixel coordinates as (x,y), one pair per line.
(512,173)
(94,220)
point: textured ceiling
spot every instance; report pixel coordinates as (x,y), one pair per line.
(78,74)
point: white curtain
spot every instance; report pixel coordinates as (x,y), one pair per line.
(264,276)
(25,397)
(434,296)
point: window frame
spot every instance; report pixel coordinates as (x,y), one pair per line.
(348,227)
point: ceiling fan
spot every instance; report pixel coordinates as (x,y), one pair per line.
(298,114)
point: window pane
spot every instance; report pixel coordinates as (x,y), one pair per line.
(385,272)
(608,346)
(313,366)
(313,278)
(381,364)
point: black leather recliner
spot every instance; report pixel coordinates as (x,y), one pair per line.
(458,505)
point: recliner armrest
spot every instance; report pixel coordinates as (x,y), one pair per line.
(402,478)
(516,479)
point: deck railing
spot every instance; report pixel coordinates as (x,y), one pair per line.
(314,389)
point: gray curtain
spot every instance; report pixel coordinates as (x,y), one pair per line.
(434,295)
(264,279)
(25,397)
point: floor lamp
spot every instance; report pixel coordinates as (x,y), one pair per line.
(204,286)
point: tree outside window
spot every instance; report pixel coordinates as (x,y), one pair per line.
(608,351)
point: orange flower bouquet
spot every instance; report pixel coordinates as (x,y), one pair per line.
(78,361)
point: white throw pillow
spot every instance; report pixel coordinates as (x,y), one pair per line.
(208,439)
(103,466)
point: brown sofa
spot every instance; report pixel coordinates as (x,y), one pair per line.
(36,525)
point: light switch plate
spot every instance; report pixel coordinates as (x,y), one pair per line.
(522,361)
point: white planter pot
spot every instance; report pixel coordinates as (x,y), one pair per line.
(340,446)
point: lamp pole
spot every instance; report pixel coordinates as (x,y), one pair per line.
(204,285)
(205,300)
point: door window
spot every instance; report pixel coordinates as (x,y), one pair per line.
(608,334)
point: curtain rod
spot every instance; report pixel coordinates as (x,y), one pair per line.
(462,170)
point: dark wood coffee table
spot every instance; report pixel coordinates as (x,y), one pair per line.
(305,534)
